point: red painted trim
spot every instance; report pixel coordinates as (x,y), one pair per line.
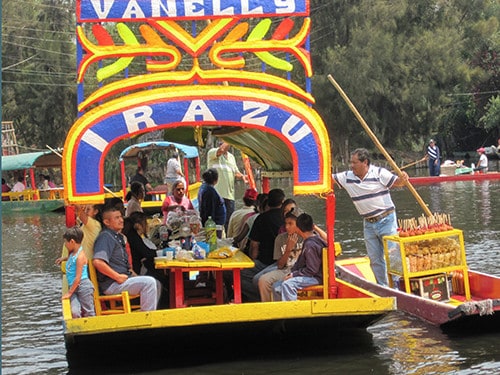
(460,177)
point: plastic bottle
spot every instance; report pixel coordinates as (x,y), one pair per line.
(211,233)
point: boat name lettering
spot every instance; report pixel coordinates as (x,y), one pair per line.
(255,113)
(100,10)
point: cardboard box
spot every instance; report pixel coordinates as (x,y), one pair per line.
(448,170)
(433,287)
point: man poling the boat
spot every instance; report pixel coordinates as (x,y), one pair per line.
(368,186)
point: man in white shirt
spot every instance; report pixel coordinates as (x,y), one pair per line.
(224,162)
(368,186)
(174,170)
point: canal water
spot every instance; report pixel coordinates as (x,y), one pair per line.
(32,339)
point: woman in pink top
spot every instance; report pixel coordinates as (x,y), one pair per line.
(176,200)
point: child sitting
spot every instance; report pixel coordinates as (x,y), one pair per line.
(308,270)
(81,290)
(287,248)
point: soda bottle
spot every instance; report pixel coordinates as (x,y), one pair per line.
(211,233)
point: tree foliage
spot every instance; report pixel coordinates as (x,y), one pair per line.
(403,64)
(38,72)
(414,69)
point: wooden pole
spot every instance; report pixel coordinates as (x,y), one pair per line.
(381,148)
(410,164)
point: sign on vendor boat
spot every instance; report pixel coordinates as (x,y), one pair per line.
(267,116)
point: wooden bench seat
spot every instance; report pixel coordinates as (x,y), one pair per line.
(113,303)
(321,290)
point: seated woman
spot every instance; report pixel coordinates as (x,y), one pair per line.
(176,200)
(143,251)
(134,198)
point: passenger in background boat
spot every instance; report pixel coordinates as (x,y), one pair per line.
(134,198)
(174,170)
(433,157)
(176,200)
(224,162)
(368,186)
(114,272)
(210,202)
(262,236)
(287,248)
(482,164)
(142,248)
(81,290)
(308,269)
(139,176)
(43,183)
(50,184)
(5,189)
(236,219)
(19,185)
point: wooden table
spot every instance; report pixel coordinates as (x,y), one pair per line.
(178,267)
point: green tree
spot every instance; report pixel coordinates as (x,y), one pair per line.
(400,62)
(38,70)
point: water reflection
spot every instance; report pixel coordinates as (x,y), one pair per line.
(412,347)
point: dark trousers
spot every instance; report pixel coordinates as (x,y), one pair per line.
(229,203)
(434,169)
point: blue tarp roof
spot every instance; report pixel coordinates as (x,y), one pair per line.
(41,159)
(132,151)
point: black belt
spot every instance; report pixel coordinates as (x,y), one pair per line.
(374,219)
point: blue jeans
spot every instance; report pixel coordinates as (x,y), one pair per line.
(271,267)
(434,169)
(82,300)
(373,233)
(146,286)
(287,290)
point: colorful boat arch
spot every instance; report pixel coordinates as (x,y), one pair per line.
(290,120)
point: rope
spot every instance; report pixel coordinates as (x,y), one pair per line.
(484,307)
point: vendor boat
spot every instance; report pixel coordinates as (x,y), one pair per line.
(191,169)
(424,180)
(432,282)
(266,116)
(32,198)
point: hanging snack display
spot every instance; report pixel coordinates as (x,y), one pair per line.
(424,225)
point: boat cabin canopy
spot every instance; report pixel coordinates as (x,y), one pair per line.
(189,152)
(41,159)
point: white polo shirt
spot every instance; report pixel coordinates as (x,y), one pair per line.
(370,196)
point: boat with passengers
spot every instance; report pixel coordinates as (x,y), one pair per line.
(265,114)
(35,197)
(189,159)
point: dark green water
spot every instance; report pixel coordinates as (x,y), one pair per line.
(32,340)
